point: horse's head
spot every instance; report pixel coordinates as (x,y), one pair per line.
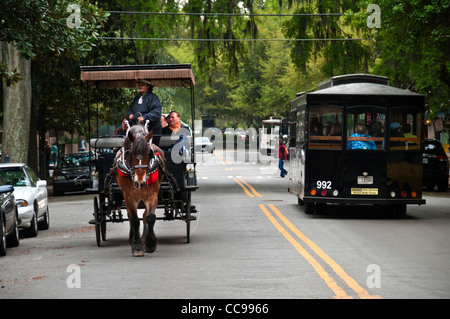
(140,155)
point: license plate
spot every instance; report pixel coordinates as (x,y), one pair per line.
(365,180)
(364,191)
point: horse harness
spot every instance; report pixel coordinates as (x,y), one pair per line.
(125,167)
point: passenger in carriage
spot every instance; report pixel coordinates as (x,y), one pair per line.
(122,129)
(315,127)
(336,129)
(174,123)
(377,129)
(146,106)
(361,131)
(176,128)
(395,130)
(326,130)
(163,121)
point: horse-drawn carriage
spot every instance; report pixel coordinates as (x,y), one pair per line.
(160,177)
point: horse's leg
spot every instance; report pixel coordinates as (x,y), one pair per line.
(135,240)
(149,223)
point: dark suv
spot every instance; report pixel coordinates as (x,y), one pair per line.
(435,166)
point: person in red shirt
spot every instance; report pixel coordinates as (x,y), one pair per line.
(282,155)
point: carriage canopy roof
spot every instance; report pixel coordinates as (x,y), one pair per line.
(125,76)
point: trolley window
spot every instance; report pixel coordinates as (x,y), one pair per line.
(366,127)
(325,127)
(404,129)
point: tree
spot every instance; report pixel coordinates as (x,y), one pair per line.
(29,28)
(340,56)
(413,49)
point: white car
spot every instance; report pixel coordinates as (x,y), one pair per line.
(204,144)
(31,197)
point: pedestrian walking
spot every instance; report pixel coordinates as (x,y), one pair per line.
(282,155)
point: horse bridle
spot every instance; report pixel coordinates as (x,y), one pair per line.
(150,168)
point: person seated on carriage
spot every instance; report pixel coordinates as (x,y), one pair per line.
(122,129)
(174,124)
(175,132)
(361,131)
(146,106)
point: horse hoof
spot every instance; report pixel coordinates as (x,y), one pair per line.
(138,253)
(150,249)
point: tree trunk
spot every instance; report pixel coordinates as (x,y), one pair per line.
(16,106)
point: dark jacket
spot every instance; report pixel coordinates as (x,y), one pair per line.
(149,109)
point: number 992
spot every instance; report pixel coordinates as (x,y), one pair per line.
(324,184)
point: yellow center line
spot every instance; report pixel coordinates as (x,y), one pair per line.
(338,291)
(220,157)
(243,187)
(360,291)
(251,188)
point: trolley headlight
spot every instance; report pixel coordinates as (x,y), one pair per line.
(393,194)
(335,192)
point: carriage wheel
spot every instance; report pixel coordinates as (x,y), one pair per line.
(97,222)
(187,209)
(103,221)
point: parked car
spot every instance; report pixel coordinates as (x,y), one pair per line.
(435,165)
(203,144)
(30,193)
(73,173)
(9,224)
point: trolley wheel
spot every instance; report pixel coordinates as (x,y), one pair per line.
(310,208)
(399,210)
(97,222)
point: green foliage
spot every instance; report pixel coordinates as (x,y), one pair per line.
(38,26)
(412,48)
(238,82)
(340,56)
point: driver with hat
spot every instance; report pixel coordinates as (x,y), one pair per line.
(146,106)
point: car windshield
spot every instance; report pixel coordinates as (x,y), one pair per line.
(14,176)
(74,160)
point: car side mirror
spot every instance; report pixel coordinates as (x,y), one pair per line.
(41,184)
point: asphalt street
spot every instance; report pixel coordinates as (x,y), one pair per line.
(250,241)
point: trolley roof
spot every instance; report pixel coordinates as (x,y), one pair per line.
(125,76)
(364,89)
(353,78)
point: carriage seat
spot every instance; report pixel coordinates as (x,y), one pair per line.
(107,142)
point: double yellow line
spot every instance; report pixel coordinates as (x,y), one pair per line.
(326,277)
(248,189)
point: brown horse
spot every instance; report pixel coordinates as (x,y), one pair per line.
(139,178)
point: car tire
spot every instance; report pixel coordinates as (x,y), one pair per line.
(13,240)
(45,223)
(2,237)
(32,231)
